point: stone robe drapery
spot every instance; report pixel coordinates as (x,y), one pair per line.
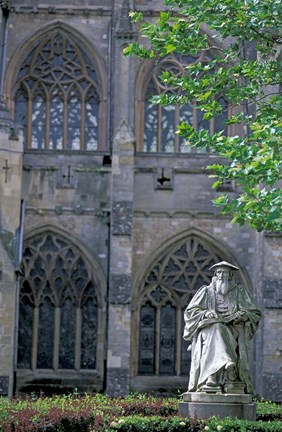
(217,341)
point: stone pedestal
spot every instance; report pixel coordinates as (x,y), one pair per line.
(204,405)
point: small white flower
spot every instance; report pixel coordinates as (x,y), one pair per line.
(206,428)
(182,423)
(219,427)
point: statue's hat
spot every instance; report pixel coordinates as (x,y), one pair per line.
(224,264)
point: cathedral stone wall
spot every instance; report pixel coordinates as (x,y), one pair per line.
(272,326)
(8,295)
(122,208)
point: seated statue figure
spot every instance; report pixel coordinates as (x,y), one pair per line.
(220,321)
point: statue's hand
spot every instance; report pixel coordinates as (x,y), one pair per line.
(210,314)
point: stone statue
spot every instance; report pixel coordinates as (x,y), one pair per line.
(220,321)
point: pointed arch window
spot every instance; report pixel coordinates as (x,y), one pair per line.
(58,97)
(167,289)
(156,133)
(59,308)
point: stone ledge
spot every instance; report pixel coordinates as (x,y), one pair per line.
(217,398)
(201,410)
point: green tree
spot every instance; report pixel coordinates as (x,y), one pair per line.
(245,67)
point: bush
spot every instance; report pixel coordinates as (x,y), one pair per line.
(132,414)
(234,425)
(154,424)
(178,424)
(269,411)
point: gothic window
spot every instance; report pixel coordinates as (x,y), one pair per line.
(168,287)
(57,97)
(157,131)
(58,313)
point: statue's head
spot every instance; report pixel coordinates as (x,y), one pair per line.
(223,274)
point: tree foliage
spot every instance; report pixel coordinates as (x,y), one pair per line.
(244,38)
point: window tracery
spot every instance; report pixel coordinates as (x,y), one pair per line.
(58,313)
(57,97)
(167,289)
(157,131)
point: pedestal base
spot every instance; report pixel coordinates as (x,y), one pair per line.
(203,405)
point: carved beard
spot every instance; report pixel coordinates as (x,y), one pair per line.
(222,286)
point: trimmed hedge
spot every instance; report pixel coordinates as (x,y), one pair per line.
(132,414)
(179,424)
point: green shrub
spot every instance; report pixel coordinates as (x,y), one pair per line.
(73,413)
(269,411)
(178,424)
(153,424)
(235,425)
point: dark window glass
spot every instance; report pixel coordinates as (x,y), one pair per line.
(167,340)
(220,121)
(56,123)
(46,329)
(74,122)
(151,127)
(168,128)
(186,115)
(89,334)
(21,100)
(91,124)
(147,339)
(38,122)
(26,313)
(67,334)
